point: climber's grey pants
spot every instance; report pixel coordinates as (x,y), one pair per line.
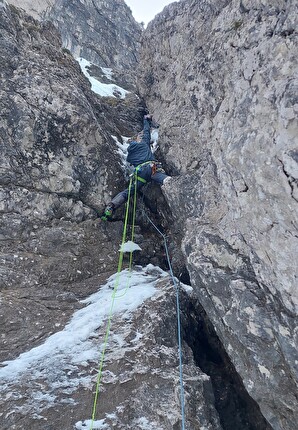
(144,172)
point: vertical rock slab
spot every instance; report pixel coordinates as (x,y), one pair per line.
(58,166)
(222,79)
(102,31)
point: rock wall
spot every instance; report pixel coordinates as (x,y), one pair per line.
(59,166)
(228,110)
(36,8)
(103,31)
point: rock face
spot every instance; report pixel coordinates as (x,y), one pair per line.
(102,31)
(228,109)
(228,133)
(58,166)
(36,8)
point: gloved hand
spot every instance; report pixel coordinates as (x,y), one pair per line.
(148,116)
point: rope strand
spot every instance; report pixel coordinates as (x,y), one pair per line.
(132,234)
(182,401)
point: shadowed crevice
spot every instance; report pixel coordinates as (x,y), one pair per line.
(236,409)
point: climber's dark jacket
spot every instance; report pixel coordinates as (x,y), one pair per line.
(140,152)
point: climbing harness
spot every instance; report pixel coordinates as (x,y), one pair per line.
(156,166)
(143,164)
(134,178)
(137,168)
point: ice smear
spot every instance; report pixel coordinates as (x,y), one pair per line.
(141,423)
(154,140)
(107,72)
(129,247)
(122,151)
(73,345)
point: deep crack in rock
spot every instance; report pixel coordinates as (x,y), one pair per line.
(236,409)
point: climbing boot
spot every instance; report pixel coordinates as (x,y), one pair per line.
(108,213)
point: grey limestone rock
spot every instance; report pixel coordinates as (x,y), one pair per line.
(228,109)
(59,166)
(102,31)
(57,169)
(228,132)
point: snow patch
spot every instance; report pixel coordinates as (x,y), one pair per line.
(62,363)
(129,247)
(88,424)
(122,151)
(104,90)
(137,337)
(154,140)
(187,288)
(144,424)
(250,384)
(107,72)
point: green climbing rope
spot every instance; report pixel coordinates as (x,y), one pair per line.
(114,296)
(135,178)
(132,234)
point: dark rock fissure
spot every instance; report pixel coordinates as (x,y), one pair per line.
(236,409)
(184,276)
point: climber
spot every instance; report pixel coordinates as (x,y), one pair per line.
(147,168)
